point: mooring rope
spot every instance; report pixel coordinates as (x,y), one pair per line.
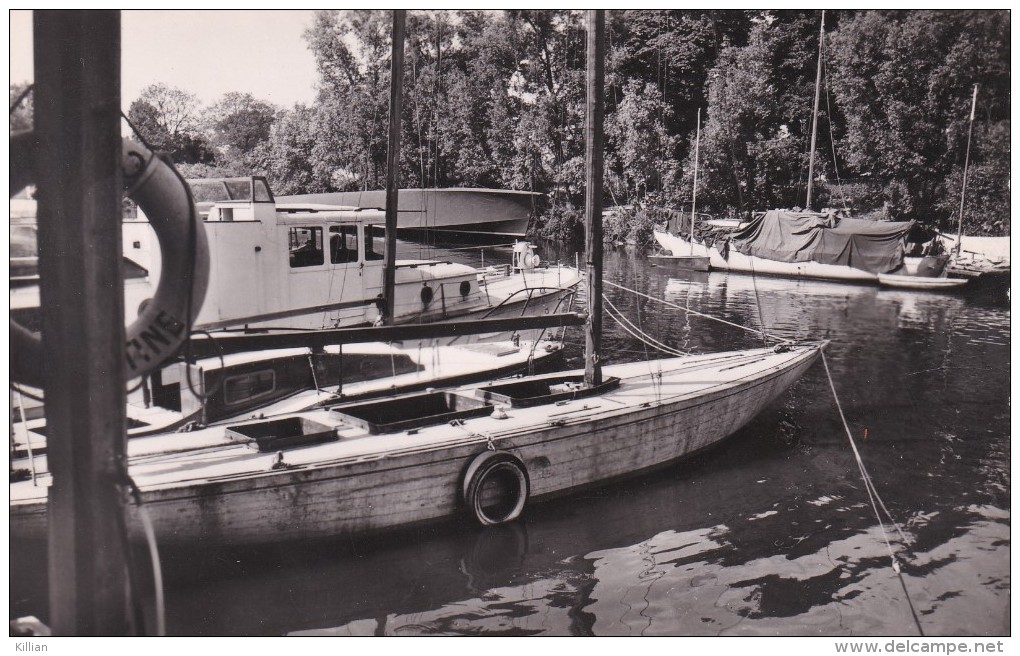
(695,312)
(874,498)
(157,569)
(641,336)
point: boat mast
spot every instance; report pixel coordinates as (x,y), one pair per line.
(393,163)
(694,189)
(966,163)
(595,71)
(814,119)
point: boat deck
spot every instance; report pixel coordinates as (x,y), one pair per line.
(185,459)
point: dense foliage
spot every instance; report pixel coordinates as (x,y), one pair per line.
(495,99)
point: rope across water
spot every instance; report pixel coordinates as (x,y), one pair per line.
(874,498)
(695,312)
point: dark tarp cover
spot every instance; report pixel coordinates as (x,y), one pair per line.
(789,236)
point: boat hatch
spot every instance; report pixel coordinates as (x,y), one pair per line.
(278,434)
(406,413)
(539,392)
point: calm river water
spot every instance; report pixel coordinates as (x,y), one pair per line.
(771,533)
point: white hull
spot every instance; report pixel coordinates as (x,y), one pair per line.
(919,282)
(678,246)
(214,492)
(309,267)
(740,263)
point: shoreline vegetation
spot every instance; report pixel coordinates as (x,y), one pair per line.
(494,99)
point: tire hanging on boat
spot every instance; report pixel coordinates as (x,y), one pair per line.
(498,468)
(165,198)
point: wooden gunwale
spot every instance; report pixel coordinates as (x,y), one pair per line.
(453,455)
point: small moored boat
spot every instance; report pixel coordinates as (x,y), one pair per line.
(920,282)
(481,451)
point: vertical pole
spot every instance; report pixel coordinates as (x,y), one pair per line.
(814,119)
(966,165)
(596,73)
(694,188)
(78,164)
(393,162)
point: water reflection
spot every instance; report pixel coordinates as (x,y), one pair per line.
(771,533)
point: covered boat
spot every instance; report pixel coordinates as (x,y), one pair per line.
(818,245)
(823,238)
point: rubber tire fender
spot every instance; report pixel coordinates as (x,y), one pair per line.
(484,465)
(151,181)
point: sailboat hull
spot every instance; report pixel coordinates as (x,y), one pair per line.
(210,491)
(738,262)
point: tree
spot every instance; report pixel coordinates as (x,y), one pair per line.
(903,81)
(645,152)
(351,50)
(286,158)
(755,141)
(168,118)
(238,123)
(675,50)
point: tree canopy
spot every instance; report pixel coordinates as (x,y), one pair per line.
(495,99)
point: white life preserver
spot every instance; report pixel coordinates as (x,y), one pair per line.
(164,324)
(485,467)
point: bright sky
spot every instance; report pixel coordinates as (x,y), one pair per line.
(207,53)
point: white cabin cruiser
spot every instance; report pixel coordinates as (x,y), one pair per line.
(305,266)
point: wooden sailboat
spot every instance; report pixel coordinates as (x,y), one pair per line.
(689,260)
(808,244)
(483,452)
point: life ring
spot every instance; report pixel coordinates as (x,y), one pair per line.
(165,198)
(503,470)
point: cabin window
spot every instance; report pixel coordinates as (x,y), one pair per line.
(248,387)
(262,194)
(306,247)
(343,244)
(374,243)
(24,242)
(239,189)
